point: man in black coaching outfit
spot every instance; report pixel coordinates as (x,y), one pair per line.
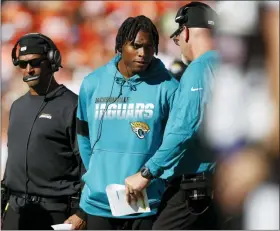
(44,168)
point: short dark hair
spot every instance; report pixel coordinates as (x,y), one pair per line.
(131,26)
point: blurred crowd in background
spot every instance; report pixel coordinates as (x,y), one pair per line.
(85,31)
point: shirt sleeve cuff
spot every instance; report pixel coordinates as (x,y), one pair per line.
(155,170)
(81,214)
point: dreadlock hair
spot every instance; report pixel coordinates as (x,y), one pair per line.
(131,26)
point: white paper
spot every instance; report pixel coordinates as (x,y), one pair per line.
(62,227)
(119,205)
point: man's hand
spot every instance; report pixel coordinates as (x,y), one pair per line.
(134,185)
(77,222)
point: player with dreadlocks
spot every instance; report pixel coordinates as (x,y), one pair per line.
(122,110)
(130,32)
(132,26)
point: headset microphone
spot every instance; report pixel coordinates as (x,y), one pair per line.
(30,78)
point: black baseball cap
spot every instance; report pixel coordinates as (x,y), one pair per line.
(33,45)
(195,14)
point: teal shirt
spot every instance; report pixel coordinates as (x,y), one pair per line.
(115,145)
(180,152)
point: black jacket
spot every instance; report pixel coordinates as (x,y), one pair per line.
(42,152)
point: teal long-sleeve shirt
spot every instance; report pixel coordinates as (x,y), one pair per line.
(180,151)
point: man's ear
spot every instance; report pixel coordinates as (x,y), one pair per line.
(186,34)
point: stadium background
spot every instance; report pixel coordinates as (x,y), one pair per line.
(84,32)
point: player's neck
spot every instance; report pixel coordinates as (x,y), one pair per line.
(201,49)
(43,90)
(123,69)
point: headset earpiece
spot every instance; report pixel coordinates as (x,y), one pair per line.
(53,54)
(14,57)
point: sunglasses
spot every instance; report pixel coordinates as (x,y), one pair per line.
(33,63)
(175,39)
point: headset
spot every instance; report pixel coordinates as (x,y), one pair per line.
(53,54)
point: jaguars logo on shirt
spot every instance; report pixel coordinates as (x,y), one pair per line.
(140,129)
